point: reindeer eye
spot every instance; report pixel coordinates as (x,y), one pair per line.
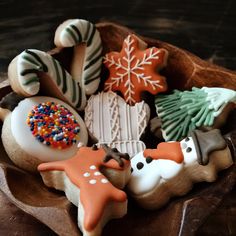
(131,169)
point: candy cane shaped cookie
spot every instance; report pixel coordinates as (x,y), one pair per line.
(87,61)
(33,69)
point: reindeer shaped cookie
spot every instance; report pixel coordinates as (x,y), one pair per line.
(91,180)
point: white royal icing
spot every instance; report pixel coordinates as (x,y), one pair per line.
(112,121)
(157,172)
(77,31)
(31,62)
(23,136)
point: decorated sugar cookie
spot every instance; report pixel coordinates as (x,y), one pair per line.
(135,69)
(173,167)
(110,120)
(88,180)
(40,129)
(181,112)
(33,69)
(87,60)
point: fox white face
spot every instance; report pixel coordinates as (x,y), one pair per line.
(147,172)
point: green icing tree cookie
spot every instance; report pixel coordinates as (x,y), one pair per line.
(182,112)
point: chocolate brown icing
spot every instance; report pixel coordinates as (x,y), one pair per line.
(207,142)
(10,101)
(113,153)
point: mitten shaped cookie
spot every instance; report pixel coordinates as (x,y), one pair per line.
(113,122)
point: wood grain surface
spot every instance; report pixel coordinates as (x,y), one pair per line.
(206,28)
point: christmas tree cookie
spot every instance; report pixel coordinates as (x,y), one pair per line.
(181,112)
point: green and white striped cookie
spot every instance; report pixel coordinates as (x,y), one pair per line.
(86,64)
(33,68)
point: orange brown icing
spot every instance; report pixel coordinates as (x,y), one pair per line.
(170,151)
(95,189)
(134,70)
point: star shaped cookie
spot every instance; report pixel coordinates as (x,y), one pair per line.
(135,69)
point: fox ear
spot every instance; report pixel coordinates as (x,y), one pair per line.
(10,101)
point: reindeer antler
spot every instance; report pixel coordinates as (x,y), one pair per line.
(113,153)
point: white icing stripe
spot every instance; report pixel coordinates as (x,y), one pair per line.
(81,31)
(29,80)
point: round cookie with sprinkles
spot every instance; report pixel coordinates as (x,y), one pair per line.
(53,125)
(41,129)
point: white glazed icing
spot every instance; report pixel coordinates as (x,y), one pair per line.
(111,121)
(38,61)
(219,98)
(23,136)
(74,32)
(132,69)
(158,171)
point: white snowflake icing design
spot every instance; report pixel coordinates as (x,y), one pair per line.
(130,68)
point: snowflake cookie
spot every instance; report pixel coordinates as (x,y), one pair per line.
(134,69)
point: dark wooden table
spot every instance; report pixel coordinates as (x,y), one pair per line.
(204,27)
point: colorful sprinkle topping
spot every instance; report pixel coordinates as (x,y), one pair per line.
(53,125)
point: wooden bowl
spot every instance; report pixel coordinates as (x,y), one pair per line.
(29,208)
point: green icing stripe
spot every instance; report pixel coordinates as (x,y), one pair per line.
(92,73)
(57,72)
(37,58)
(91,36)
(99,48)
(91,80)
(31,80)
(182,112)
(185,126)
(92,62)
(76,30)
(29,71)
(80,97)
(71,33)
(64,85)
(30,60)
(210,119)
(73,90)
